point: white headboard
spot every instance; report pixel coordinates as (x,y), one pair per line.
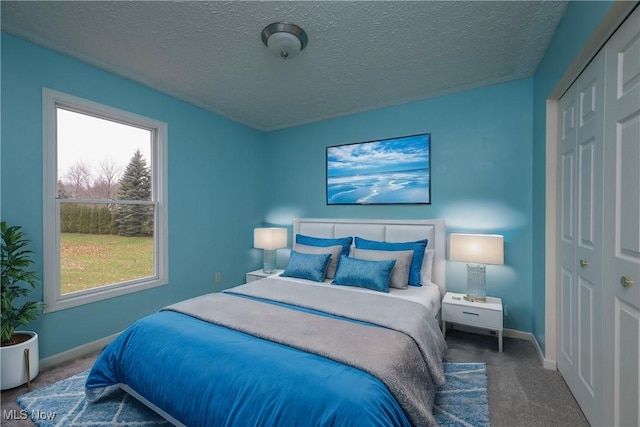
(387,230)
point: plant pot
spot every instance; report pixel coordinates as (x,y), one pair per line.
(13,363)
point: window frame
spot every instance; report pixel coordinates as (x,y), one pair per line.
(53,298)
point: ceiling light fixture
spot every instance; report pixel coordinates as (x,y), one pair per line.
(285,40)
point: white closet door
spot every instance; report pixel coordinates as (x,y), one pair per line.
(588,388)
(567,239)
(581,151)
(622,226)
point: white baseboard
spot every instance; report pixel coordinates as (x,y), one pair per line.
(512,333)
(76,352)
(546,363)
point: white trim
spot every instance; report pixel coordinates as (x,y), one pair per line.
(51,100)
(104,201)
(76,352)
(551,221)
(509,333)
(513,333)
(546,363)
(617,14)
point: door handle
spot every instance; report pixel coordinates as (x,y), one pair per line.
(626,282)
(584,263)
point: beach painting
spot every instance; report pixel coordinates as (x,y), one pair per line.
(388,171)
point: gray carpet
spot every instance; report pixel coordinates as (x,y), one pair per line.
(521,391)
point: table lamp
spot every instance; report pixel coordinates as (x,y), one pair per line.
(476,250)
(270,239)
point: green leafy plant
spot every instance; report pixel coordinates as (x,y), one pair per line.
(18,280)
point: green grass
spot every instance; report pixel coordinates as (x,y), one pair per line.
(92,260)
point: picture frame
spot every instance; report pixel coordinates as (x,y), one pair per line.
(388,171)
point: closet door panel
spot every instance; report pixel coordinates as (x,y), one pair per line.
(581,127)
(628,151)
(567,239)
(589,142)
(627,374)
(567,322)
(622,225)
(586,369)
(587,218)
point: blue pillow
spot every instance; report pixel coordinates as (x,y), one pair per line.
(418,247)
(363,273)
(345,242)
(307,266)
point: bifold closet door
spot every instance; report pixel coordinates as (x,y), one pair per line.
(581,206)
(567,240)
(622,226)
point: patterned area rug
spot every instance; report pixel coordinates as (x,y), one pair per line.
(461,402)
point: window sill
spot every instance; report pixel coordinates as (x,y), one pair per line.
(77,299)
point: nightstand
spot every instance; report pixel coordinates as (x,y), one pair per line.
(259,274)
(484,315)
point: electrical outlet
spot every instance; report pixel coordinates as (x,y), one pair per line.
(505,310)
(218,276)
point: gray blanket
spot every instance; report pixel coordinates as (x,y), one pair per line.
(398,360)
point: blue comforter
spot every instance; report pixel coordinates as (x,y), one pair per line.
(207,375)
(201,362)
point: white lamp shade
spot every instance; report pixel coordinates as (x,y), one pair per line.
(270,238)
(476,248)
(284,44)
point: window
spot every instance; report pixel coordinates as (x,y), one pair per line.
(105,203)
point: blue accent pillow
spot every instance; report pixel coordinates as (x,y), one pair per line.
(345,242)
(418,248)
(363,273)
(307,266)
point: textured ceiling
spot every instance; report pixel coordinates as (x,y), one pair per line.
(361,54)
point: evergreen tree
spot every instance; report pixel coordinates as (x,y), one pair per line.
(65,217)
(94,221)
(73,217)
(135,184)
(104,220)
(84,223)
(114,222)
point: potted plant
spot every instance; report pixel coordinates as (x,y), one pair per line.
(19,350)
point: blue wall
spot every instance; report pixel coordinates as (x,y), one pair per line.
(488,175)
(481,143)
(577,25)
(215,187)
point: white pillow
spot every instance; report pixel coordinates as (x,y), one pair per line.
(335,252)
(399,278)
(427,266)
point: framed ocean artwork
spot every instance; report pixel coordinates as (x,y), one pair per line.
(387,171)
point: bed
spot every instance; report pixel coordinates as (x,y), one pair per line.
(289,350)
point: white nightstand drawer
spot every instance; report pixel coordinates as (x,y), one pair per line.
(485,315)
(473,316)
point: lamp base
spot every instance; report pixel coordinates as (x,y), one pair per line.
(269,261)
(476,283)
